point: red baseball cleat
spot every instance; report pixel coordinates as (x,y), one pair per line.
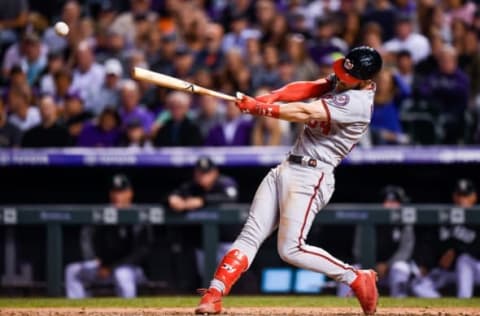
(211,302)
(365,289)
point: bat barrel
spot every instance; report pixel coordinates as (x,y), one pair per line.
(176,83)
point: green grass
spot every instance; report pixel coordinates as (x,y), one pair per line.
(234,301)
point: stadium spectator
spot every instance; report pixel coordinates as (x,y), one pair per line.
(178,129)
(18,77)
(446,89)
(183,62)
(237,46)
(88,76)
(209,113)
(50,132)
(268,74)
(235,131)
(33,62)
(71,13)
(23,115)
(462,10)
(119,252)
(125,23)
(382,13)
(405,70)
(13,18)
(269,132)
(55,64)
(265,16)
(406,39)
(111,46)
(304,67)
(211,56)
(63,81)
(266,132)
(75,115)
(324,41)
(371,35)
(10,135)
(135,136)
(131,109)
(109,94)
(166,54)
(385,124)
(469,61)
(237,37)
(253,51)
(105,132)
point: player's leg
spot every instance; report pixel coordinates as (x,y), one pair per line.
(126,278)
(398,278)
(303,193)
(78,275)
(261,222)
(465,270)
(424,285)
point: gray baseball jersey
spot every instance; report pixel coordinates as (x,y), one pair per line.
(349,114)
(291,195)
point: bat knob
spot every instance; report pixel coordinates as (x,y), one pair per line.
(239,95)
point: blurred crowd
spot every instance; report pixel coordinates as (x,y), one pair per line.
(77,90)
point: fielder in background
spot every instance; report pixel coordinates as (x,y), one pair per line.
(119,251)
(292,194)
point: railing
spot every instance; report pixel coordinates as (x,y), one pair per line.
(367,216)
(228,156)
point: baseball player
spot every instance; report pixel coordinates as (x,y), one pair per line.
(292,194)
(467,242)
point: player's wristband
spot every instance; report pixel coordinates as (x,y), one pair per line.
(261,109)
(265,109)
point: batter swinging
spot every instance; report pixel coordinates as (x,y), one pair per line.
(292,194)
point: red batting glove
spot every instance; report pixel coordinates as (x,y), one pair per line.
(246,104)
(251,106)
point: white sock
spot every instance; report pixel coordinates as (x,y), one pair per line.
(349,276)
(218,285)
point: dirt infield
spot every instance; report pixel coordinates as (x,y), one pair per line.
(270,311)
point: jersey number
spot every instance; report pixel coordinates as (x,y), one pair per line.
(323,126)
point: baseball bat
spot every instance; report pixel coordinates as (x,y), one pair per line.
(177,84)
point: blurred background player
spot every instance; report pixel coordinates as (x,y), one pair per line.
(435,262)
(467,245)
(119,252)
(208,188)
(395,244)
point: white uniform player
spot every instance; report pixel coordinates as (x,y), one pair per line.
(292,194)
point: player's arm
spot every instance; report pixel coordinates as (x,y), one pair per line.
(299,90)
(294,112)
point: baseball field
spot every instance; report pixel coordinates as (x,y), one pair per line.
(234,305)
